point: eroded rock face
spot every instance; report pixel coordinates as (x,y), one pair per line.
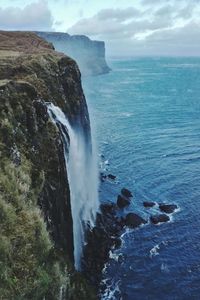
(31,74)
(89,54)
(34,76)
(25,124)
(100,240)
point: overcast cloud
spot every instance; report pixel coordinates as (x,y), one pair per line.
(34,16)
(129,27)
(156,28)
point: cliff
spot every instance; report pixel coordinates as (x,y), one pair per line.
(89,54)
(36,235)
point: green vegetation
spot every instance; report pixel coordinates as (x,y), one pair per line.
(32,264)
(27,270)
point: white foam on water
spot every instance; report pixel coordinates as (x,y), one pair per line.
(126,114)
(107,162)
(154,251)
(164,268)
(112,290)
(115,256)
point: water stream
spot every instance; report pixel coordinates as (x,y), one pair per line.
(82,169)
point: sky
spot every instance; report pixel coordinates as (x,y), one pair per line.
(128,27)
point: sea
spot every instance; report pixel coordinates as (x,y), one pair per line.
(146,114)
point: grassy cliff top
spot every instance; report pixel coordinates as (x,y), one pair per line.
(26,57)
(18,48)
(13,43)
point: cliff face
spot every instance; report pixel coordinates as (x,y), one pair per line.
(89,54)
(36,235)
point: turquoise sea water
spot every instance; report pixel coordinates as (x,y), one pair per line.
(147,118)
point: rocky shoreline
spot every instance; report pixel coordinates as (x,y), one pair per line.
(112,221)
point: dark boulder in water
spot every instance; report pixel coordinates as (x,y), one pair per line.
(110,176)
(108,208)
(159,219)
(148,204)
(122,202)
(117,243)
(125,192)
(132,220)
(103,177)
(100,240)
(168,208)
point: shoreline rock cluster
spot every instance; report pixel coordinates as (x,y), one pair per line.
(123,200)
(165,209)
(112,219)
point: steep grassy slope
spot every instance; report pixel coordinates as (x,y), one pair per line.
(36,234)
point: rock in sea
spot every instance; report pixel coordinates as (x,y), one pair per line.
(110,176)
(103,177)
(159,219)
(122,201)
(132,220)
(125,192)
(168,208)
(148,204)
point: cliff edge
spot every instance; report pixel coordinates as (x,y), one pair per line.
(36,232)
(89,54)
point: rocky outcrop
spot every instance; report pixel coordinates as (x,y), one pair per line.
(126,193)
(100,240)
(149,204)
(132,220)
(161,218)
(122,201)
(168,208)
(89,54)
(36,235)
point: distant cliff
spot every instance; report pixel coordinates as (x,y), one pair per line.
(89,54)
(36,232)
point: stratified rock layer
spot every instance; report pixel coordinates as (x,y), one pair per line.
(89,54)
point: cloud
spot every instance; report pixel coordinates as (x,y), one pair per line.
(121,22)
(108,22)
(34,16)
(160,28)
(119,14)
(180,41)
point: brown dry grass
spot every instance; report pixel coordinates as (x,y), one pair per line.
(19,41)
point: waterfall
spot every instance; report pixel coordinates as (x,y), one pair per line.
(82,172)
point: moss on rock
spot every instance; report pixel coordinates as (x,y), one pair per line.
(36,234)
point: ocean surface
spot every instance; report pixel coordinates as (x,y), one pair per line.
(147,118)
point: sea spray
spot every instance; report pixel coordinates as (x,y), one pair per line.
(82,169)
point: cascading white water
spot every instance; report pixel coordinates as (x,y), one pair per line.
(82,168)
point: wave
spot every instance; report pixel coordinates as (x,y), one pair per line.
(126,114)
(154,251)
(164,268)
(112,290)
